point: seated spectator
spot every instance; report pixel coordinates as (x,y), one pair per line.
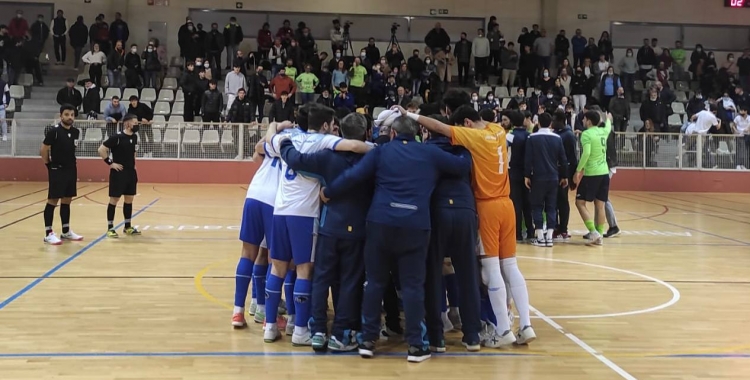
(325,98)
(344,99)
(490,102)
(113,114)
(475,102)
(400,98)
(69,95)
(282,109)
(91,99)
(516,100)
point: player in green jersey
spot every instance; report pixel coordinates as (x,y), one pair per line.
(592,174)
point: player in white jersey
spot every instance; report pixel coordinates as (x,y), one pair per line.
(295,216)
(255,230)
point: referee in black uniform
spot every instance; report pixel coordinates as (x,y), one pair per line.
(59,155)
(123,178)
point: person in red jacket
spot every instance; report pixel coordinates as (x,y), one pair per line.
(265,40)
(18,27)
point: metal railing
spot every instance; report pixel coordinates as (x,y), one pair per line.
(228,141)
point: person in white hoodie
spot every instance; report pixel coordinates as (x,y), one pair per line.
(95,59)
(234,81)
(480,49)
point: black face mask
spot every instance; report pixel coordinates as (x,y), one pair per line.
(136,128)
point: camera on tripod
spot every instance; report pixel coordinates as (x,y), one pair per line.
(394,27)
(347,25)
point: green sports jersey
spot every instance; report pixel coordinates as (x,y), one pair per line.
(307,83)
(594,150)
(291,71)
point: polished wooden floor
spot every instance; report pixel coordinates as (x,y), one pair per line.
(668,299)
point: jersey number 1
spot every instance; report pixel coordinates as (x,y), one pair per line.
(501,160)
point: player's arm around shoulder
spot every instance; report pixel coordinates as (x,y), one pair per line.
(355,146)
(364,170)
(302,162)
(448,163)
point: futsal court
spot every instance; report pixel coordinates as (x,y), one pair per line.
(667,299)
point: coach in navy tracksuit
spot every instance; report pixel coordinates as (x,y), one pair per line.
(398,226)
(570,142)
(519,194)
(454,231)
(341,239)
(545,170)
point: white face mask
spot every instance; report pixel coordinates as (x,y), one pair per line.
(134,50)
(363,55)
(474,98)
(206,65)
(537,92)
(731,59)
(490,98)
(150,49)
(338,55)
(199,63)
(546,75)
(427,61)
(549,96)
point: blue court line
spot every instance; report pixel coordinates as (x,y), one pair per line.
(235,354)
(68,260)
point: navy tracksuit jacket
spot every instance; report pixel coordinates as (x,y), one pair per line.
(340,244)
(519,194)
(398,224)
(570,142)
(546,164)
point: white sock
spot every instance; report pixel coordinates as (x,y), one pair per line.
(261,308)
(493,278)
(540,235)
(549,235)
(253,301)
(517,288)
(300,330)
(239,310)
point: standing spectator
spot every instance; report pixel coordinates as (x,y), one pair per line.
(497,42)
(357,83)
(307,44)
(190,46)
(307,82)
(462,51)
(543,47)
(526,67)
(395,57)
(115,63)
(69,95)
(95,59)
(509,61)
(579,48)
(256,85)
(4,103)
(480,49)
(628,69)
(300,28)
(282,109)
(646,60)
(282,83)
(201,40)
(605,47)
(743,66)
(265,40)
(678,61)
(91,99)
(99,33)
(39,31)
(134,70)
(285,33)
(437,39)
(232,38)
(233,82)
(212,103)
(416,66)
(152,66)
(183,36)
(339,76)
(214,47)
(579,89)
(79,36)
(562,48)
(741,98)
(5,45)
(445,67)
(188,82)
(592,51)
(525,39)
(666,58)
(277,56)
(373,53)
(601,66)
(565,68)
(18,27)
(741,129)
(337,36)
(290,70)
(619,107)
(119,31)
(294,53)
(655,110)
(59,32)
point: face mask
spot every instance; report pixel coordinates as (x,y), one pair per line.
(150,49)
(190,28)
(382,61)
(206,65)
(338,55)
(520,96)
(538,92)
(699,50)
(549,96)
(427,61)
(136,128)
(199,63)
(133,50)
(731,59)
(630,54)
(19,15)
(490,98)
(363,55)
(699,96)
(474,98)
(546,75)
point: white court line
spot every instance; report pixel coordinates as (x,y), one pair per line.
(584,346)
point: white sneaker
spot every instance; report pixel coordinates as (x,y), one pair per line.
(511,318)
(739,167)
(271,334)
(526,335)
(52,239)
(494,340)
(70,235)
(5,138)
(289,331)
(447,324)
(595,238)
(253,307)
(301,339)
(536,242)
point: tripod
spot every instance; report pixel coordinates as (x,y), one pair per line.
(393,41)
(348,50)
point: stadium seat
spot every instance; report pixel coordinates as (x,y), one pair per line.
(171,136)
(26,80)
(112,91)
(159,122)
(191,137)
(128,93)
(226,137)
(678,108)
(169,84)
(681,86)
(177,62)
(210,138)
(173,72)
(162,108)
(166,96)
(178,108)
(501,92)
(505,103)
(265,121)
(514,91)
(483,90)
(680,96)
(176,119)
(11,106)
(148,95)
(376,111)
(157,136)
(103,105)
(93,135)
(82,78)
(674,120)
(180,97)
(17,92)
(638,86)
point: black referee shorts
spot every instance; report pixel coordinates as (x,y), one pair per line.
(62,182)
(121,183)
(595,187)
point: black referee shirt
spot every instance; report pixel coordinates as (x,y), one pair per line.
(63,143)
(123,148)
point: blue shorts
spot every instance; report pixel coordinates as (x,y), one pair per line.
(256,222)
(293,238)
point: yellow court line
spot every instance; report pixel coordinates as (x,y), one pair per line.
(720,350)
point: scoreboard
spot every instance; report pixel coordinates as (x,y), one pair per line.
(737,3)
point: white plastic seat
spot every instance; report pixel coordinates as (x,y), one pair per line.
(210,138)
(180,97)
(111,92)
(169,84)
(166,96)
(157,136)
(162,108)
(483,90)
(17,92)
(680,96)
(505,103)
(674,120)
(148,95)
(176,119)
(26,80)
(681,86)
(93,135)
(678,108)
(171,136)
(376,111)
(501,92)
(103,105)
(226,137)
(82,78)
(128,93)
(178,108)
(191,137)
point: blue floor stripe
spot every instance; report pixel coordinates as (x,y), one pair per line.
(67,261)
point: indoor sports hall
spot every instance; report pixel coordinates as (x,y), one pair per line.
(667,298)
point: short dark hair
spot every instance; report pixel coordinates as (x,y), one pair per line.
(284,93)
(354,126)
(464,112)
(317,116)
(67,107)
(558,119)
(516,117)
(242,90)
(453,99)
(213,81)
(133,97)
(545,120)
(115,97)
(343,85)
(487,115)
(428,108)
(593,116)
(69,80)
